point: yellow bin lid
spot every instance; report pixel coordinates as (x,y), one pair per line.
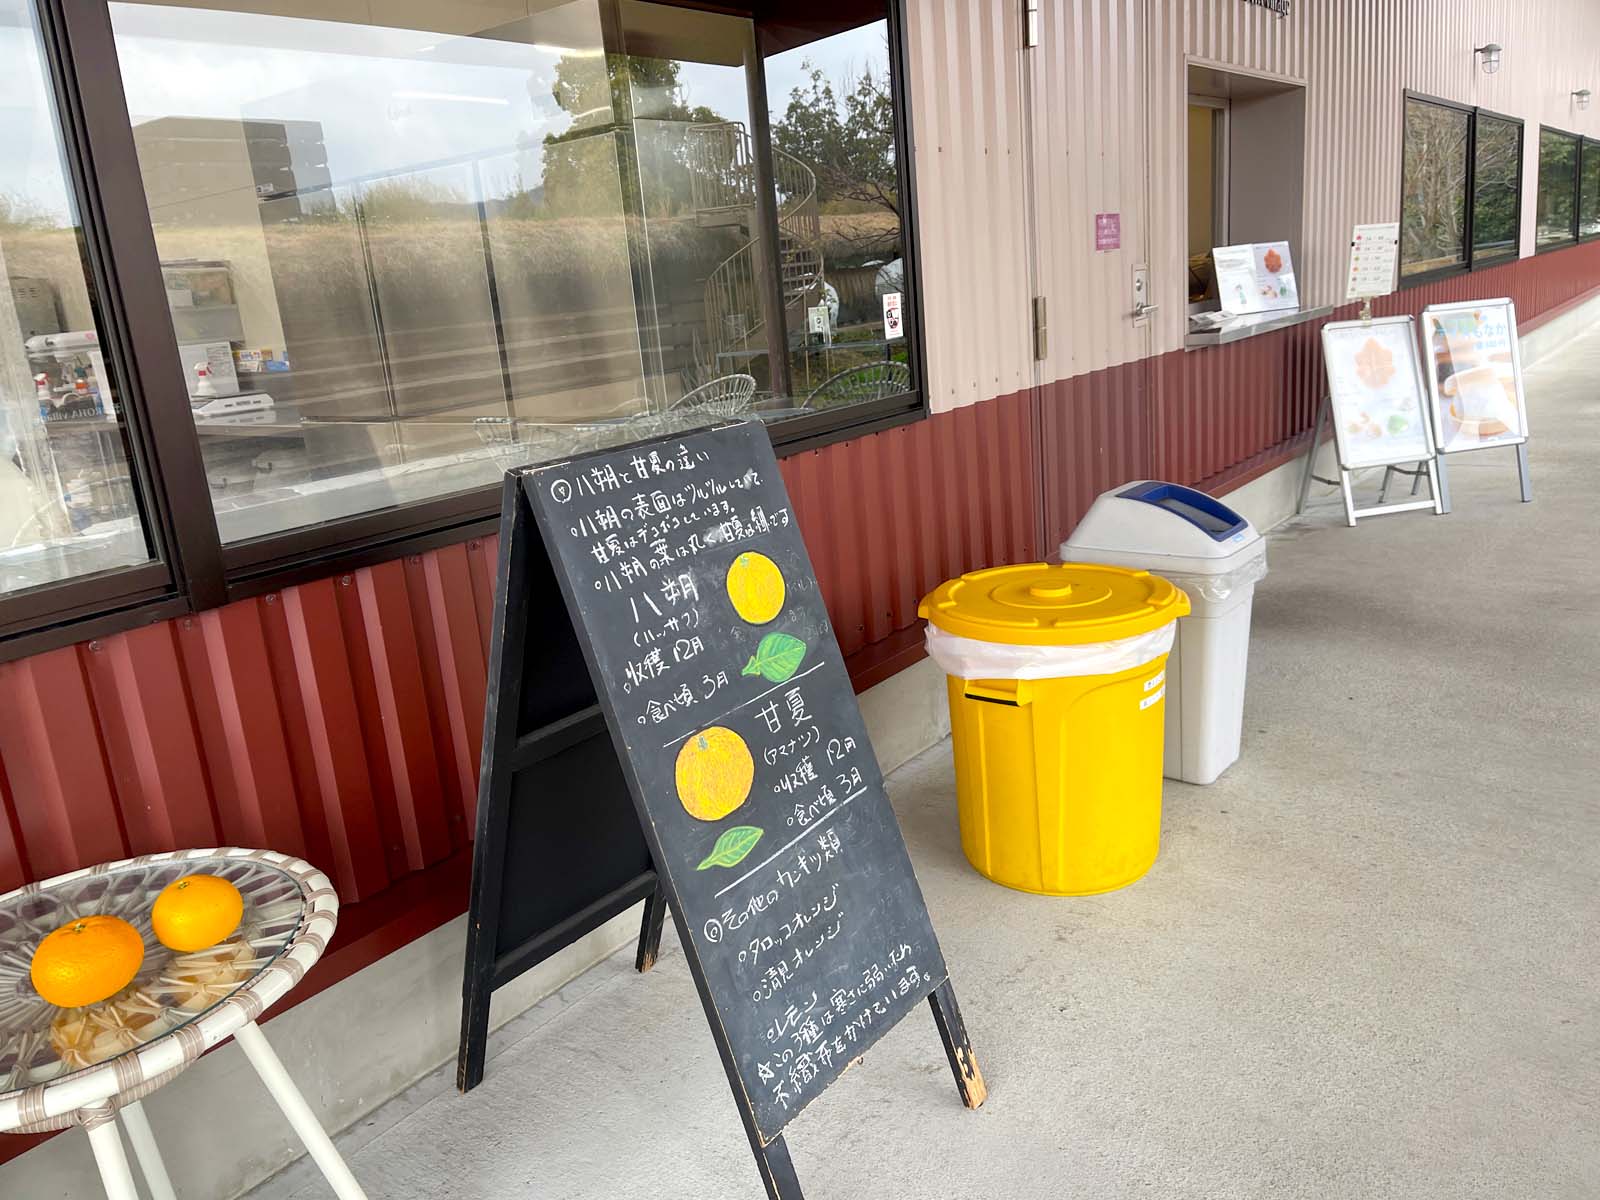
(1037,604)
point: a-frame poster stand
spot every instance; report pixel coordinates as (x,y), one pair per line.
(1375,402)
(736,732)
(1475,381)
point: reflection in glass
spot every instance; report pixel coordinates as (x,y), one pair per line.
(1589,199)
(400,252)
(1434,204)
(67,502)
(1558,192)
(705,249)
(836,174)
(388,247)
(1496,180)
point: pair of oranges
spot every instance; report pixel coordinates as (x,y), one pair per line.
(95,957)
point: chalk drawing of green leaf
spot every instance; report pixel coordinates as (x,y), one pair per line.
(732,847)
(776,658)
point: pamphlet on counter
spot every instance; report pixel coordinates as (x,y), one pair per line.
(1254,278)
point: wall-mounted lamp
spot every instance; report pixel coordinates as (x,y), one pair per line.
(1581,97)
(1491,57)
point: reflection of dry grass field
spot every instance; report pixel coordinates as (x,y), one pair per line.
(566,299)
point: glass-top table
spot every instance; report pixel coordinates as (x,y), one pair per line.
(92,1066)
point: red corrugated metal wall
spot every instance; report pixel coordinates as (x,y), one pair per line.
(342,719)
(1192,417)
(888,518)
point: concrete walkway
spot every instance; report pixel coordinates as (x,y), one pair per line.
(1365,964)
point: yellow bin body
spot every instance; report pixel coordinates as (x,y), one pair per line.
(1058,781)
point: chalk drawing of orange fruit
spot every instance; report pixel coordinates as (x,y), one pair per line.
(755,585)
(1374,364)
(714,773)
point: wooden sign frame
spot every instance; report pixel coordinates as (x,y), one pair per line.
(524,748)
(529,537)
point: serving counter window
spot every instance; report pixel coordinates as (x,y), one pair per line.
(404,253)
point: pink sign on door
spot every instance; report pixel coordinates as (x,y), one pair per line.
(1108,231)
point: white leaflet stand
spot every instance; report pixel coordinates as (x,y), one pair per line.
(1475,381)
(1375,401)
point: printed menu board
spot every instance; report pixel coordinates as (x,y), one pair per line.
(1474,374)
(728,701)
(1375,387)
(1255,278)
(1374,253)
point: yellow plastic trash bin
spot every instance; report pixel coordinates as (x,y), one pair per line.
(1057,706)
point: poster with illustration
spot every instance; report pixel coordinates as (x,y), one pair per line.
(1255,278)
(1375,385)
(1474,374)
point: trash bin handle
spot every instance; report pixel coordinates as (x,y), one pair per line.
(1000,691)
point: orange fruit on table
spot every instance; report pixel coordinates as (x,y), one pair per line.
(86,961)
(196,912)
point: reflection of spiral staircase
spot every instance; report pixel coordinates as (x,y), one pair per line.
(723,178)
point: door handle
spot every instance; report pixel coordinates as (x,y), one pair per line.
(1142,310)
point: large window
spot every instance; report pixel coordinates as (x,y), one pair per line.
(403,253)
(1461,188)
(1589,190)
(1496,188)
(386,251)
(69,507)
(1557,223)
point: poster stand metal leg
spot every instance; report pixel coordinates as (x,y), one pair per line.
(1522,472)
(1311,457)
(1433,468)
(1350,512)
(1417,473)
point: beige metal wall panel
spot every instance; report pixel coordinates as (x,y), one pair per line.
(965,82)
(1248,36)
(1107,88)
(1090,123)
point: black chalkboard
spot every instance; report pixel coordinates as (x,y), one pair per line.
(741,742)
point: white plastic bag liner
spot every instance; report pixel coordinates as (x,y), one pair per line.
(970,658)
(1217,588)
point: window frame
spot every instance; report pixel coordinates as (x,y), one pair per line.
(1471,261)
(1585,145)
(1577,194)
(1505,256)
(192,570)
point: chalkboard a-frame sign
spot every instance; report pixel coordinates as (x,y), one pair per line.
(737,735)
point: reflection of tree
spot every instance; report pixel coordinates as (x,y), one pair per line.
(1433,223)
(581,173)
(848,143)
(1496,169)
(410,198)
(20,213)
(1558,161)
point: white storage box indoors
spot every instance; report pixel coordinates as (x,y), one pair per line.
(1214,555)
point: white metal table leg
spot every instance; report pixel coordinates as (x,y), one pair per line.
(306,1126)
(156,1180)
(112,1160)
